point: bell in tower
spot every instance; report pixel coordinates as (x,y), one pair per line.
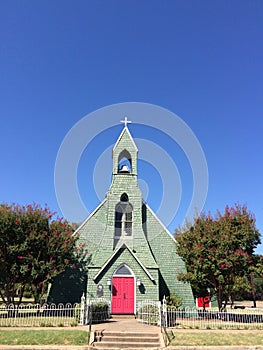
(124,169)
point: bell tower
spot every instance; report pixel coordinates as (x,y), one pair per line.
(124,195)
(125,153)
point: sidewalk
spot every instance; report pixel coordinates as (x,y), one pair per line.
(125,324)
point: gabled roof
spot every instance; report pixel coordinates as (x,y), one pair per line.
(160,222)
(90,215)
(125,130)
(115,253)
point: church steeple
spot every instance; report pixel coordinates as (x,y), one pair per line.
(124,194)
(125,153)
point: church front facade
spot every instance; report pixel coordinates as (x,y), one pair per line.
(132,255)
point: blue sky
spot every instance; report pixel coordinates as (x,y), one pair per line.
(202,60)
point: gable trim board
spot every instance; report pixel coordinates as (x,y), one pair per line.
(90,215)
(160,222)
(125,129)
(115,253)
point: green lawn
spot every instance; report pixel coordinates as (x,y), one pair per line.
(218,338)
(43,337)
(181,338)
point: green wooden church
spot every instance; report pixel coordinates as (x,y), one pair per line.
(132,255)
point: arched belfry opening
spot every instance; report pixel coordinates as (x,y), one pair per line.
(124,155)
(124,162)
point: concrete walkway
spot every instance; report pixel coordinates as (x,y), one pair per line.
(125,324)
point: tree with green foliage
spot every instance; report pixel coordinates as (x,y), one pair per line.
(256,277)
(34,248)
(173,300)
(219,251)
(241,288)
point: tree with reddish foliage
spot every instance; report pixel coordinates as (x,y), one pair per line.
(34,249)
(217,251)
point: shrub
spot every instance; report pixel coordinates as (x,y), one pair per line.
(173,301)
(100,312)
(149,313)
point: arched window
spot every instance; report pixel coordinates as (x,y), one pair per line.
(123,217)
(123,270)
(124,197)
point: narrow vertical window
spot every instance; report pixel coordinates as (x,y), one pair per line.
(123,217)
(128,221)
(118,220)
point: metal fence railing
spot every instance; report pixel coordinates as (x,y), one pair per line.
(40,315)
(203,319)
(149,312)
(55,315)
(153,312)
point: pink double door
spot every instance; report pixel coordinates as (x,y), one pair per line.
(122,301)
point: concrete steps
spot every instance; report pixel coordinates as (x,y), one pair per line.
(126,340)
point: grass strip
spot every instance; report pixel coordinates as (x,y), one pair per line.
(43,337)
(221,338)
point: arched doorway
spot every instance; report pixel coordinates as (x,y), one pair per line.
(122,291)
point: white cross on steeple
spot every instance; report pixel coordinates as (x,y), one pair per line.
(125,121)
